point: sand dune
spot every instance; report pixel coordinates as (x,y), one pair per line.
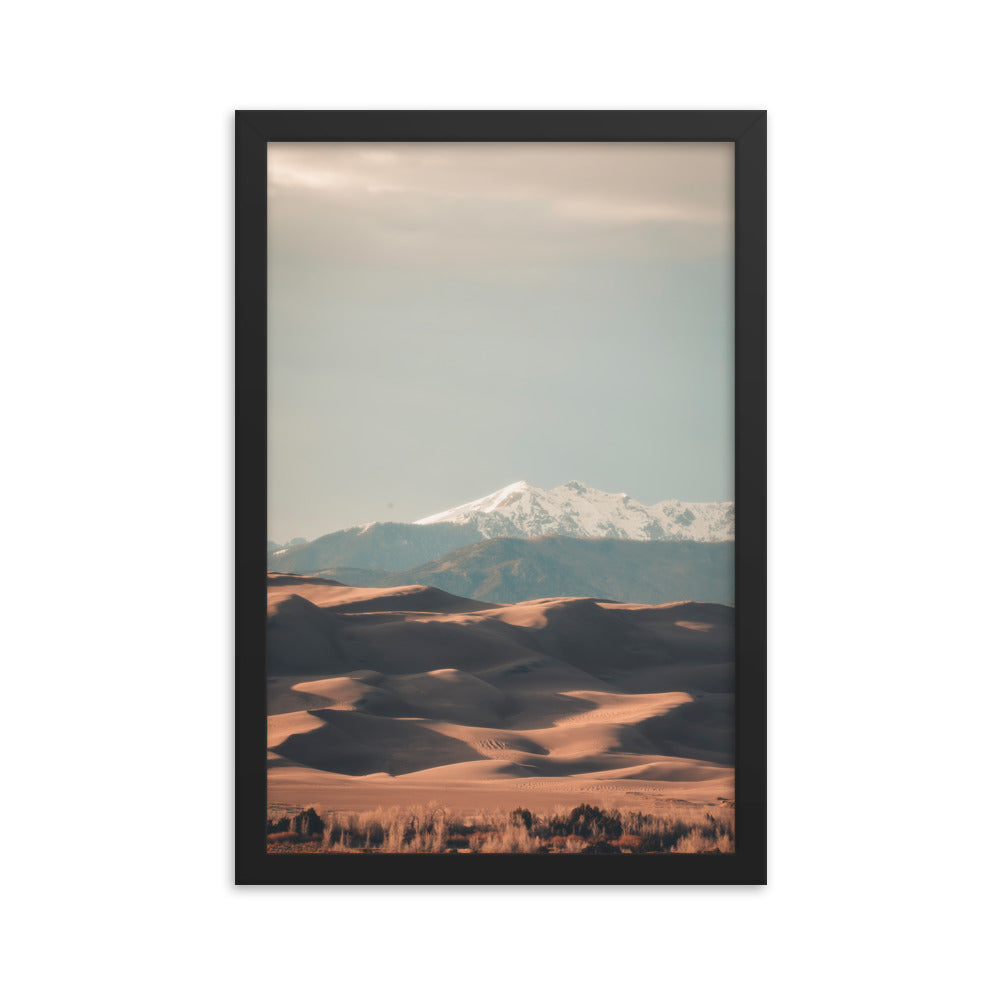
(409,694)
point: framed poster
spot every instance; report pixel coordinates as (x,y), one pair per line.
(501,425)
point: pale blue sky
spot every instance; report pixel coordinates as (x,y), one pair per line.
(444,319)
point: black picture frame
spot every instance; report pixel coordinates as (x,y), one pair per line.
(747,129)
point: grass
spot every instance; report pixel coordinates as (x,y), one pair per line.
(434,829)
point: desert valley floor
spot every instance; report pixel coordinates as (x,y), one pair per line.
(409,695)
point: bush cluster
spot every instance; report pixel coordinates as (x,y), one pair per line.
(588,822)
(586,829)
(306,824)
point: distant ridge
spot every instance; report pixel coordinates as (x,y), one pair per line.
(509,570)
(385,545)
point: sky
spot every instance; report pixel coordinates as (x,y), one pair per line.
(448,318)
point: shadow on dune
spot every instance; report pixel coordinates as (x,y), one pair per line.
(356,743)
(703,728)
(303,639)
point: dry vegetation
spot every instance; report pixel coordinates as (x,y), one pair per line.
(434,829)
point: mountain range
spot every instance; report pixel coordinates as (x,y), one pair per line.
(524,543)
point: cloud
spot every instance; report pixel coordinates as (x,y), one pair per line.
(412,202)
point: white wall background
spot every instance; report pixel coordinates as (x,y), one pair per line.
(116,413)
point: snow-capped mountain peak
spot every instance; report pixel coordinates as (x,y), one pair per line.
(524,511)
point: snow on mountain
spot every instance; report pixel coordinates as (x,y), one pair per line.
(524,511)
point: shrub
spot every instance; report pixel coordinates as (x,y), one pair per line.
(307,823)
(524,816)
(589,822)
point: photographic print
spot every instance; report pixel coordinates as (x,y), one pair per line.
(500,499)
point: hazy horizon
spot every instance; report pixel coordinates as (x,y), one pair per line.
(446,319)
